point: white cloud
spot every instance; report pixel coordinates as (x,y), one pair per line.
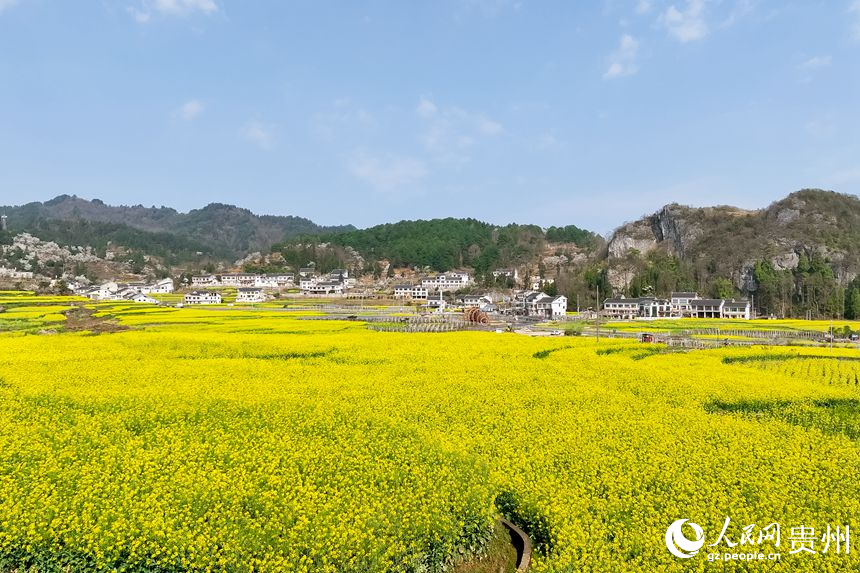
(145,10)
(387,173)
(643,6)
(854,8)
(816,63)
(687,24)
(426,108)
(191,110)
(258,133)
(6,4)
(452,130)
(622,62)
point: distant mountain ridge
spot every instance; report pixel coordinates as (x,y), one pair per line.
(799,256)
(221,230)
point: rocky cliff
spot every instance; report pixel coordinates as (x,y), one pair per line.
(728,241)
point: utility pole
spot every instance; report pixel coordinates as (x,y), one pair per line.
(597,308)
(831,336)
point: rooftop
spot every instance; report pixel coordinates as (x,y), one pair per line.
(707,302)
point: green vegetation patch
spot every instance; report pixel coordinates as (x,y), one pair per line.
(833,416)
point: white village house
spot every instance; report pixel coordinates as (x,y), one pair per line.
(737,309)
(436,300)
(163,286)
(679,305)
(204,280)
(275,280)
(203,297)
(250,294)
(446,282)
(410,292)
(707,308)
(681,302)
(621,307)
(141,298)
(239,279)
(325,287)
(476,301)
(541,304)
(402,291)
(650,307)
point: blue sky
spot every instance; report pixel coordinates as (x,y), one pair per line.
(586,113)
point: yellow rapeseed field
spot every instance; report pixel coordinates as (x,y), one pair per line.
(238,440)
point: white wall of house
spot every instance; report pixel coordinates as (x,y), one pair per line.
(252,295)
(203,298)
(559,306)
(204,280)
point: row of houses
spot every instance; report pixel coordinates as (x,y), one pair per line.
(525,303)
(243,295)
(540,304)
(678,305)
(7,273)
(132,291)
(256,280)
(250,286)
(447,282)
(433,284)
(334,283)
(308,280)
(506,274)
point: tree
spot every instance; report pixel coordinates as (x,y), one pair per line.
(773,289)
(722,288)
(852,300)
(62,288)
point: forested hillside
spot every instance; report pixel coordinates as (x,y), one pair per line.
(443,244)
(219,230)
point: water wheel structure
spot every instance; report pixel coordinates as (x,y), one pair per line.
(475,315)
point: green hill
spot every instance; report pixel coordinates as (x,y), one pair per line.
(223,231)
(443,244)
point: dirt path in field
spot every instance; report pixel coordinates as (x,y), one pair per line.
(81,318)
(509,551)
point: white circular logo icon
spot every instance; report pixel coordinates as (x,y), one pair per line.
(678,544)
